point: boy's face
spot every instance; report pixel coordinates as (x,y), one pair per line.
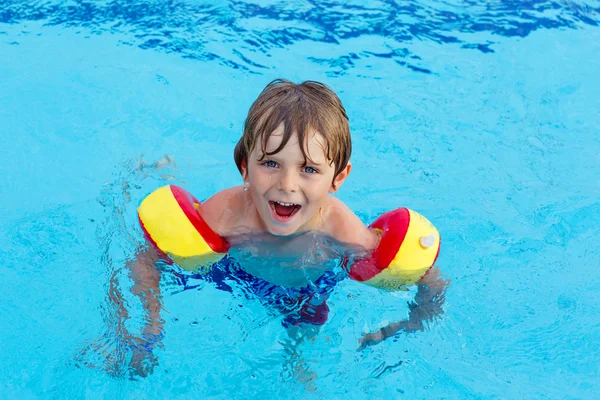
(287,190)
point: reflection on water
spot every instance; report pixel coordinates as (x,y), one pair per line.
(243,35)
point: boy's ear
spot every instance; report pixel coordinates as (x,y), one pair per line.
(244,170)
(340,178)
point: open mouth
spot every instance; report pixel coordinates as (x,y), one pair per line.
(284,211)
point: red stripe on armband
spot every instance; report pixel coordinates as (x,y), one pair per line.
(438,252)
(393,225)
(147,234)
(186,201)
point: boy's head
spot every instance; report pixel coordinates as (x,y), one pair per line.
(301,109)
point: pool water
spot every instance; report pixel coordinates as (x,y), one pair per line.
(484,117)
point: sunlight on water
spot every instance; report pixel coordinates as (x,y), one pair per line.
(244,35)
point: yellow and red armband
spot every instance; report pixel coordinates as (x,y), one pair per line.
(409,246)
(171,221)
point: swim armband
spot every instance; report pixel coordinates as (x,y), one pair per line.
(171,221)
(409,246)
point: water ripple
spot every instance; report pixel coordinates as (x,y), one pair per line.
(243,34)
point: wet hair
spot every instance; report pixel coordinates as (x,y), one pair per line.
(302,108)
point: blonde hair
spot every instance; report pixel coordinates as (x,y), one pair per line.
(305,107)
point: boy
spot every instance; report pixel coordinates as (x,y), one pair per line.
(294,152)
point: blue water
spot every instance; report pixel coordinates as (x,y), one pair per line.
(485,117)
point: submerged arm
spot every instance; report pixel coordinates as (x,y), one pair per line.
(142,270)
(146,279)
(426,307)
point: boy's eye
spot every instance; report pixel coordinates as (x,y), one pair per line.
(270,164)
(310,170)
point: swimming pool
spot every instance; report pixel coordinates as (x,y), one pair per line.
(483,117)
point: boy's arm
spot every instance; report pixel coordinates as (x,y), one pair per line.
(146,278)
(426,307)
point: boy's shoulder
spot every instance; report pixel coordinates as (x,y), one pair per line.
(335,210)
(340,222)
(225,211)
(338,217)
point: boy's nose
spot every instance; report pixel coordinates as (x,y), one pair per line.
(288,182)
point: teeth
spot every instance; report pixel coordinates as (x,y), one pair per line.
(285,204)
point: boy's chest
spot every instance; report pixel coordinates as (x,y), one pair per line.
(289,262)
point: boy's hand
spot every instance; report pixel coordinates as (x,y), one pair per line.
(379,336)
(143,360)
(370,339)
(142,363)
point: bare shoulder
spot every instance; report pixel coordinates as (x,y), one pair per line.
(222,199)
(225,210)
(341,223)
